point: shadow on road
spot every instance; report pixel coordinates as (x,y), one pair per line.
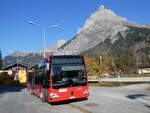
(5,89)
(135,96)
(68,101)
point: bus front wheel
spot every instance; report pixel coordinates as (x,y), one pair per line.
(30,91)
(42,97)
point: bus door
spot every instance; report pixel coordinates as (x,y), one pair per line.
(33,81)
(46,79)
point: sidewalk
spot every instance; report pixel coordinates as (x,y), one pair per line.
(129,79)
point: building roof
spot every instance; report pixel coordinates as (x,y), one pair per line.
(13,65)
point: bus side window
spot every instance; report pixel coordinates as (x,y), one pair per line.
(47,74)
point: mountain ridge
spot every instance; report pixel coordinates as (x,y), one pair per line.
(104,33)
(35,56)
(102,24)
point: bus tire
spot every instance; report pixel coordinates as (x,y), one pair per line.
(42,97)
(30,91)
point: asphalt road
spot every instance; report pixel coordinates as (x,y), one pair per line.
(102,100)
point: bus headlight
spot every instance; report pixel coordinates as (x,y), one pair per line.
(86,92)
(54,95)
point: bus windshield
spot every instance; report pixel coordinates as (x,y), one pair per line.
(68,75)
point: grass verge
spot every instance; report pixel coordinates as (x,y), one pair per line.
(113,84)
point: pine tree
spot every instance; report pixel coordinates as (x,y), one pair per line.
(1,60)
(126,61)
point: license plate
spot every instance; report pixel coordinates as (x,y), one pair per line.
(72,97)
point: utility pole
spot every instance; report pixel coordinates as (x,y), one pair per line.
(17,63)
(100,67)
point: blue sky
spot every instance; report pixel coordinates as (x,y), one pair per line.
(17,34)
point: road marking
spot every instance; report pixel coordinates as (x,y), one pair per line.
(79,108)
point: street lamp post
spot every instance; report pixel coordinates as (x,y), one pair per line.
(44,32)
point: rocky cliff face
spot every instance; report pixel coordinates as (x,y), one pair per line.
(136,39)
(103,24)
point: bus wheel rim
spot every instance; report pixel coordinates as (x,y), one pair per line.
(41,95)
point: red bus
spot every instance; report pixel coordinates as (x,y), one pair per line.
(58,78)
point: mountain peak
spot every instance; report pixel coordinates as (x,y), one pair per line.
(101,7)
(102,15)
(104,11)
(52,48)
(18,53)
